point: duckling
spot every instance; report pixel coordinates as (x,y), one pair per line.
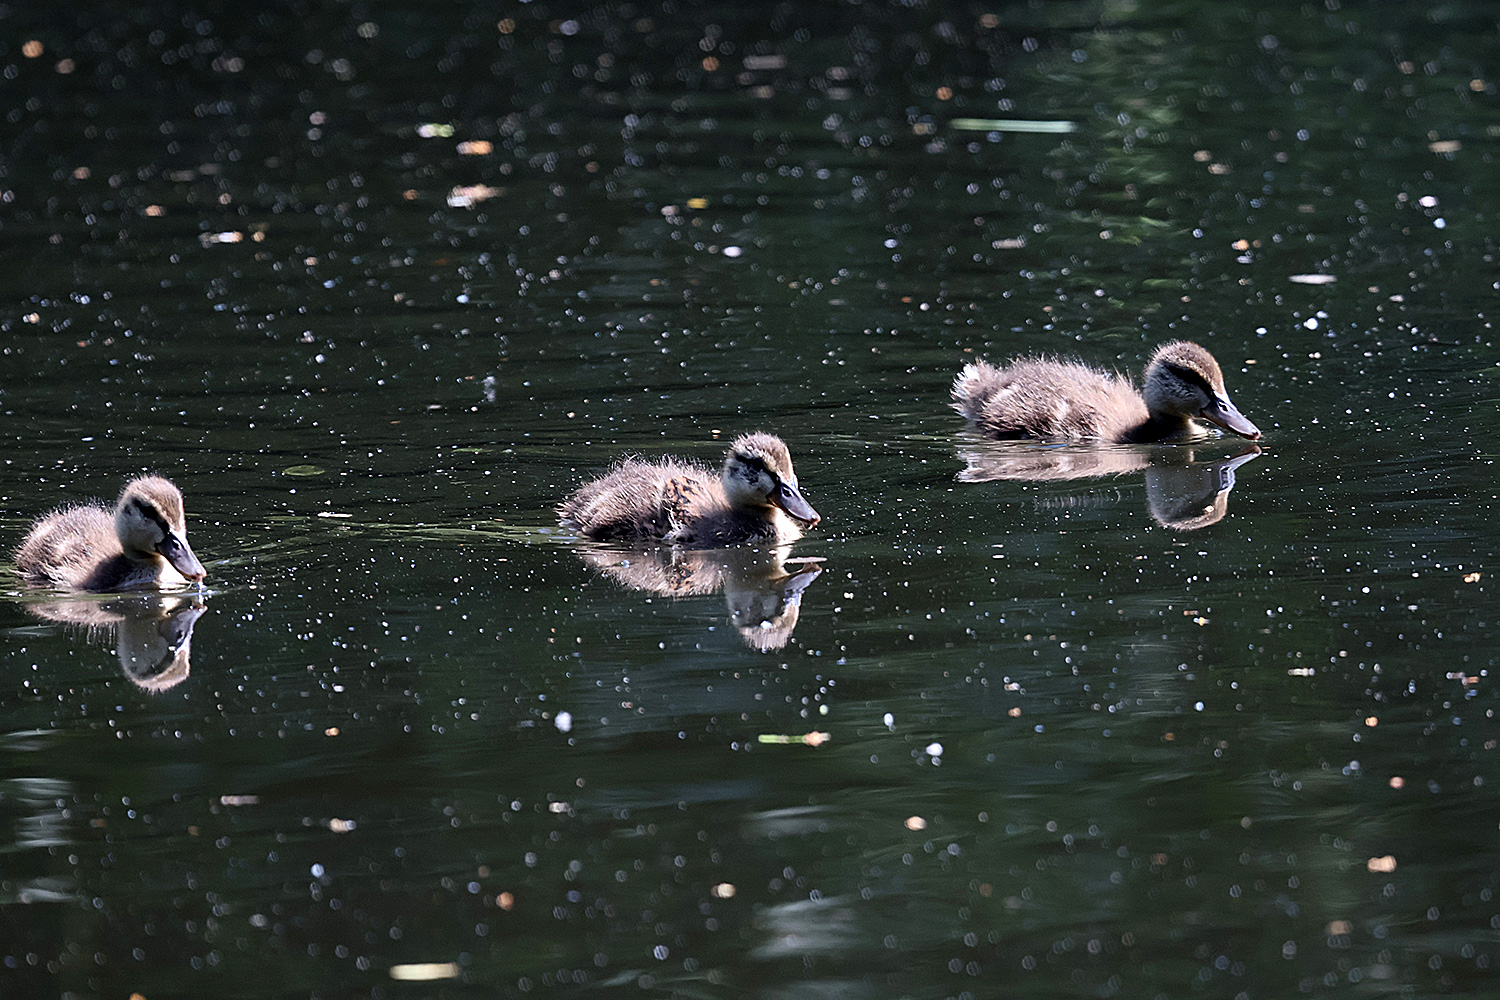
(754,499)
(142,546)
(1042,398)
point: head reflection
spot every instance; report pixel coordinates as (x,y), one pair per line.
(762,588)
(153,633)
(1182,492)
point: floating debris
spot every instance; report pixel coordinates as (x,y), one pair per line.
(813,739)
(1011,125)
(421,972)
(774,61)
(469,195)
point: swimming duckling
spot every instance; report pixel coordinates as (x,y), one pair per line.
(754,499)
(1041,398)
(142,546)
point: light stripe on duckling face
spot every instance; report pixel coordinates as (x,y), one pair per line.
(747,481)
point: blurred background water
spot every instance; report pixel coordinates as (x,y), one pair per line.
(378,284)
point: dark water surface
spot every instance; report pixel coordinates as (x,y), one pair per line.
(377,285)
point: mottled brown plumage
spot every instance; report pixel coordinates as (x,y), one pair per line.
(754,498)
(1043,398)
(142,545)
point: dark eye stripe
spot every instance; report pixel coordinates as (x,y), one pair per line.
(150,513)
(1190,376)
(753,461)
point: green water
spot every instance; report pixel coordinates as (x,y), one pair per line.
(1018,735)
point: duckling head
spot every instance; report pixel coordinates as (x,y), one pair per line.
(149,520)
(1183,380)
(758,473)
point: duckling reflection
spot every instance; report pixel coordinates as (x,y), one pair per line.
(1193,496)
(1181,492)
(762,589)
(153,633)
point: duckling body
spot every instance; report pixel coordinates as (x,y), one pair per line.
(1043,398)
(754,498)
(142,545)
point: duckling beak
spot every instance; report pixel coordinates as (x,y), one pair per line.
(174,548)
(1222,412)
(788,499)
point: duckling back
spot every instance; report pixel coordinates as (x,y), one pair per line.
(641,501)
(1041,398)
(68,548)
